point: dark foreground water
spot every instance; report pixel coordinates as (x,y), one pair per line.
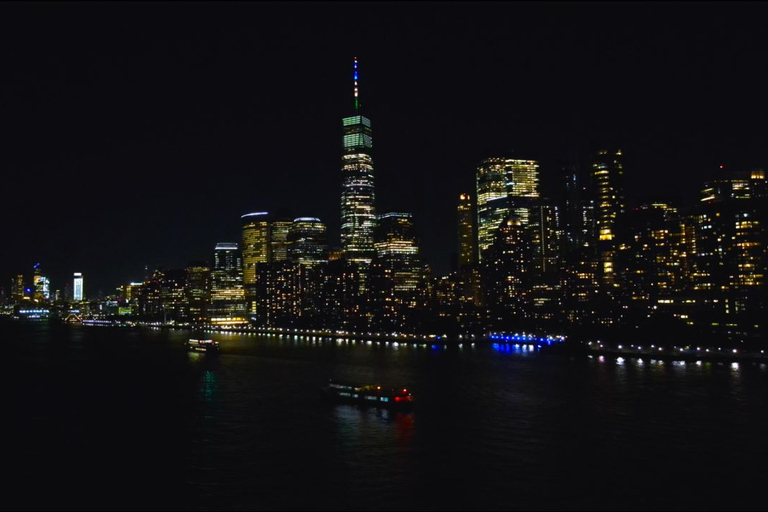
(111,418)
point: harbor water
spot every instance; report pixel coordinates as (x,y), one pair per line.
(128,419)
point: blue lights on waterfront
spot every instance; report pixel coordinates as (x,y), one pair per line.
(548,340)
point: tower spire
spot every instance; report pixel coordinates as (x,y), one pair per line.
(357,99)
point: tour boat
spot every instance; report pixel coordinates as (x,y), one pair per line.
(202,345)
(368,394)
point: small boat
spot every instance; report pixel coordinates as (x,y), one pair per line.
(202,345)
(368,394)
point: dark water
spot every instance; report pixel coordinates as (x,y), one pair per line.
(110,418)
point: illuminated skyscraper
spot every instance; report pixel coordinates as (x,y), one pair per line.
(78,288)
(257,249)
(40,285)
(358,215)
(522,186)
(730,250)
(466,231)
(198,290)
(307,241)
(608,179)
(227,293)
(650,264)
(256,244)
(505,186)
(279,239)
(492,205)
(397,273)
(506,275)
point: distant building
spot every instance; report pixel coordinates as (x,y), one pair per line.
(78,288)
(466,231)
(41,286)
(17,289)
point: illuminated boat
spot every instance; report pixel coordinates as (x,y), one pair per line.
(369,394)
(194,345)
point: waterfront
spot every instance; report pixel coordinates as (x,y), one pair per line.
(126,418)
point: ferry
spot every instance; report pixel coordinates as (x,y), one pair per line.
(202,345)
(368,394)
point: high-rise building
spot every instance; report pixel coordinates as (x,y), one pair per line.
(198,290)
(608,178)
(649,264)
(41,286)
(522,186)
(358,214)
(279,293)
(279,242)
(78,294)
(730,250)
(608,181)
(547,239)
(504,186)
(466,231)
(256,244)
(492,205)
(506,271)
(397,272)
(257,248)
(17,289)
(173,297)
(307,242)
(228,304)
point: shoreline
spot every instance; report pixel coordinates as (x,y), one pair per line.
(545,344)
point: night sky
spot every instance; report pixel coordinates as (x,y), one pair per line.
(138,133)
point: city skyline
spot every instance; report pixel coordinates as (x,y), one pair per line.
(283,255)
(183,216)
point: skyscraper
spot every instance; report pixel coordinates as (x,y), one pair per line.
(506,276)
(256,244)
(522,186)
(227,292)
(492,206)
(730,250)
(198,290)
(307,241)
(17,289)
(358,215)
(279,243)
(504,186)
(41,286)
(466,231)
(78,287)
(608,179)
(256,249)
(397,273)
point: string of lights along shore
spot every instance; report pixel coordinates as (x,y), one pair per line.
(583,255)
